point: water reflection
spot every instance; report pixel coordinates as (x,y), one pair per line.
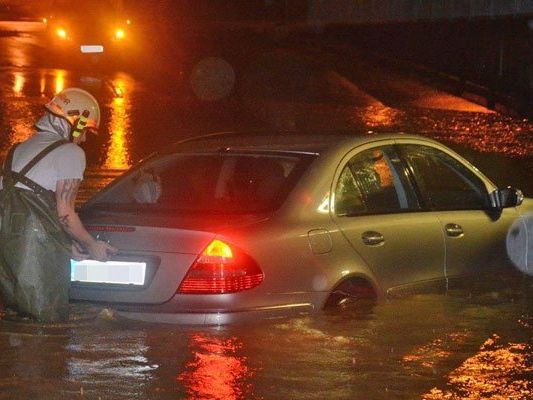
(498,370)
(22,102)
(24,365)
(117,360)
(18,83)
(216,371)
(59,81)
(437,350)
(24,94)
(42,83)
(378,116)
(18,118)
(117,156)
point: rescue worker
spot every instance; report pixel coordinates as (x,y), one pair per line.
(39,227)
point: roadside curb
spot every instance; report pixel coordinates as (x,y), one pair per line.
(471,91)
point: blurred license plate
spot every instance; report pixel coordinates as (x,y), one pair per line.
(113,272)
(92,48)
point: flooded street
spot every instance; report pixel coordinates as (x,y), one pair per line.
(465,347)
(471,343)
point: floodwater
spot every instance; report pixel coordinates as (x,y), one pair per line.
(471,343)
(455,346)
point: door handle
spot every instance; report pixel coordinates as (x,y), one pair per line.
(372,238)
(454,230)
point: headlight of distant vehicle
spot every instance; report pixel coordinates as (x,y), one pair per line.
(62,33)
(120,34)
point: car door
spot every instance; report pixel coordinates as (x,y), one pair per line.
(376,209)
(458,195)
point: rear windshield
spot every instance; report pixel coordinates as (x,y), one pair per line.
(221,183)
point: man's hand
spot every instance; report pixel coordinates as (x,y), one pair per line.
(78,253)
(66,191)
(100,251)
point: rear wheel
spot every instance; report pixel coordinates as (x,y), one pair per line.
(350,292)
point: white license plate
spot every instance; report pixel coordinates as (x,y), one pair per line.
(113,272)
(92,48)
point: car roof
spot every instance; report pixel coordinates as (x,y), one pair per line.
(281,141)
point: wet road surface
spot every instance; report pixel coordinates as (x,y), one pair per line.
(471,343)
(470,346)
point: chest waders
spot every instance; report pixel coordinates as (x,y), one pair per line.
(34,247)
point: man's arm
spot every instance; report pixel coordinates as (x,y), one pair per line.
(66,192)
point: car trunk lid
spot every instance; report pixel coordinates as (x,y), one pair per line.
(168,245)
(166,233)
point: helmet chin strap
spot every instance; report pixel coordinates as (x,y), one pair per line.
(80,125)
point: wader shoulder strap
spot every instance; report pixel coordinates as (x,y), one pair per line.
(21,176)
(41,155)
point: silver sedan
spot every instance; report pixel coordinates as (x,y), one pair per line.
(226,227)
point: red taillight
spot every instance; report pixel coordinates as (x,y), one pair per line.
(221,269)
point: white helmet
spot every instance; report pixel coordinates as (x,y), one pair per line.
(78,107)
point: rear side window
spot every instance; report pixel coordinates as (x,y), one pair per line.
(225,183)
(374,182)
(445,182)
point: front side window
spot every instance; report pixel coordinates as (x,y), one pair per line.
(374,182)
(446,183)
(219,183)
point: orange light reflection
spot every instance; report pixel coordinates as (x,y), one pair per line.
(20,115)
(436,351)
(497,371)
(119,127)
(59,81)
(217,372)
(42,83)
(18,84)
(380,116)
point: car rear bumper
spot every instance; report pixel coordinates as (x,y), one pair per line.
(220,318)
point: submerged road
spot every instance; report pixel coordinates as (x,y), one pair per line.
(468,344)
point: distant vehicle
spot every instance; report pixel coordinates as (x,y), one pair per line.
(92,28)
(232,226)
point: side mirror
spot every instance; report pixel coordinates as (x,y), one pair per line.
(503,198)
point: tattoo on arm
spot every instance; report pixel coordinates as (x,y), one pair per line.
(64,220)
(66,192)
